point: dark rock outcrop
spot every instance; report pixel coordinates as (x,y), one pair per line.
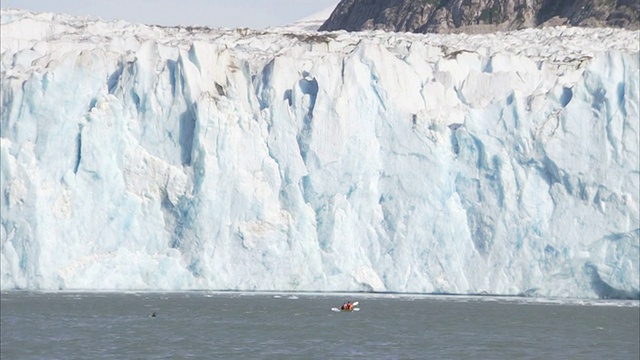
(477,16)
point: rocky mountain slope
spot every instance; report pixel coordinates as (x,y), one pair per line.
(479,16)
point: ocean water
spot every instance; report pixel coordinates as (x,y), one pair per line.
(204,325)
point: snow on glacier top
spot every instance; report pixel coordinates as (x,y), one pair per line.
(43,32)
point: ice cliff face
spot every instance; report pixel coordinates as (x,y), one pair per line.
(137,157)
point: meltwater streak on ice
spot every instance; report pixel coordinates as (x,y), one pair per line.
(138,157)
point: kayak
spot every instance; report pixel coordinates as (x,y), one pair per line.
(347,310)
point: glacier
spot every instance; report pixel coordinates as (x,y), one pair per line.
(138,157)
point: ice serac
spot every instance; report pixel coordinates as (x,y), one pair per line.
(136,157)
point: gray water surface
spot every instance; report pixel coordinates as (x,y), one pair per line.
(302,326)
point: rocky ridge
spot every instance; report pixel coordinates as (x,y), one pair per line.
(480,16)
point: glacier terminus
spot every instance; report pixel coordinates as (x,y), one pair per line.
(138,157)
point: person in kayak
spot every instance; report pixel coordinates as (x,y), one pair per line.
(347,306)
